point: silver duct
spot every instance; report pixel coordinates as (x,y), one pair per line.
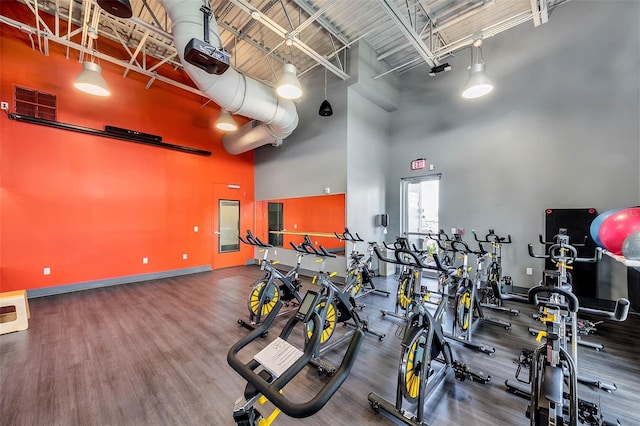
(232,90)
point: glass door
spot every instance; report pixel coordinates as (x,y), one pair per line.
(420,204)
(228,222)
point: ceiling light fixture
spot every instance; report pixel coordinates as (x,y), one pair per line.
(478,83)
(288,86)
(90,80)
(325,106)
(225,122)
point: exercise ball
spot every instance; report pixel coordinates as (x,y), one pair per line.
(631,246)
(594,229)
(617,227)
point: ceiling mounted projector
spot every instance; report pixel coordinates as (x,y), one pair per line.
(207,57)
(119,8)
(203,54)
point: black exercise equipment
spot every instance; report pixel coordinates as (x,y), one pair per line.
(426,356)
(494,273)
(265,293)
(269,384)
(360,271)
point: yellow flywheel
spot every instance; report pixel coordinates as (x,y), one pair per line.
(261,303)
(413,367)
(329,322)
(464,310)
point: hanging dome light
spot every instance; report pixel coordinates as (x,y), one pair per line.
(288,86)
(225,122)
(478,83)
(325,106)
(90,80)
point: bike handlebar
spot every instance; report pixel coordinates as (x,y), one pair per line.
(548,243)
(572,300)
(252,240)
(272,390)
(307,247)
(492,237)
(619,313)
(348,236)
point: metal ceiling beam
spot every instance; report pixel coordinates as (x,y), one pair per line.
(408,32)
(540,12)
(323,22)
(441,27)
(276,28)
(312,18)
(119,62)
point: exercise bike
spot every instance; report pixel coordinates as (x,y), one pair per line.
(426,357)
(273,368)
(553,368)
(359,270)
(334,306)
(266,293)
(468,312)
(494,273)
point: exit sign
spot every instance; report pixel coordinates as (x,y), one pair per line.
(419,164)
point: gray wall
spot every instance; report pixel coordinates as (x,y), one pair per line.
(367,146)
(560,131)
(315,155)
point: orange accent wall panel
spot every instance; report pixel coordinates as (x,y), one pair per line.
(92,208)
(322,214)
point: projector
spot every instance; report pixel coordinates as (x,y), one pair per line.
(207,57)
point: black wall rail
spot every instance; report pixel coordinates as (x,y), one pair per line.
(95,132)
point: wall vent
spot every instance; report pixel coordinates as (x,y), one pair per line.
(35,104)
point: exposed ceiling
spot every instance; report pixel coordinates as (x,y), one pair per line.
(262,35)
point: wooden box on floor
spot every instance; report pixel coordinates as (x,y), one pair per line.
(18,320)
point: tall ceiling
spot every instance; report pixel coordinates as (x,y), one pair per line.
(262,35)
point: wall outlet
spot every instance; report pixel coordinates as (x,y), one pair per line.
(4,106)
(145,260)
(431,167)
(529,271)
(454,230)
(184,256)
(195,229)
(46,271)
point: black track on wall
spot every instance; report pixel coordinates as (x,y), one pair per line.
(577,222)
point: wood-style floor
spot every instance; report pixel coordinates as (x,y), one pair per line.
(154,353)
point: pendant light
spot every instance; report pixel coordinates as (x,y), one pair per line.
(225,122)
(288,86)
(90,80)
(325,106)
(478,83)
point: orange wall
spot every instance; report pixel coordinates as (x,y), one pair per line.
(323,213)
(91,208)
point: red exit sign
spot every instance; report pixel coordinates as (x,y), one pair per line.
(419,164)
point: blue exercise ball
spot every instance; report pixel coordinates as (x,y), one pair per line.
(631,246)
(594,229)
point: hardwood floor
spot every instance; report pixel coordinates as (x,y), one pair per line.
(154,353)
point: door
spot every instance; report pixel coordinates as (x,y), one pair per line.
(229,219)
(420,204)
